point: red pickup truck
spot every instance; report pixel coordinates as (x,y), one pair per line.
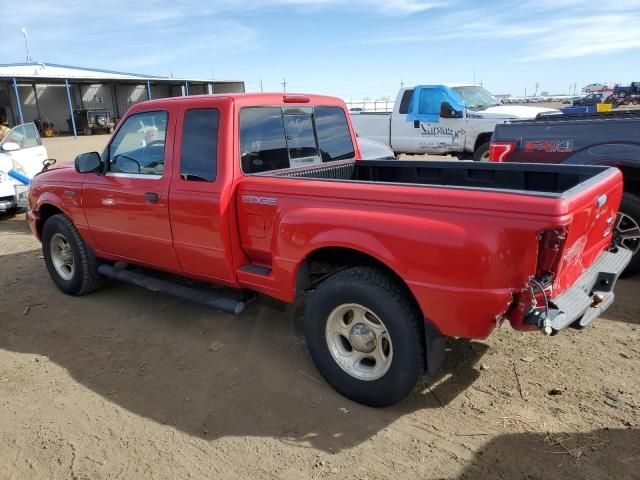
(267,193)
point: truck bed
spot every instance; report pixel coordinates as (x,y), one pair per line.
(597,117)
(540,180)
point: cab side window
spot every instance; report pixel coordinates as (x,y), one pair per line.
(139,146)
(199,149)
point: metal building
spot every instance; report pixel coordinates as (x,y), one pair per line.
(48,92)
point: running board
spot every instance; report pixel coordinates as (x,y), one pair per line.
(209,299)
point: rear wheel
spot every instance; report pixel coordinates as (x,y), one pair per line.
(627,230)
(482,153)
(71,267)
(366,337)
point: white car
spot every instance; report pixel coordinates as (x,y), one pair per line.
(594,87)
(372,150)
(21,155)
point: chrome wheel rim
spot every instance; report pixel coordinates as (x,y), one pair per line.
(62,256)
(359,342)
(627,232)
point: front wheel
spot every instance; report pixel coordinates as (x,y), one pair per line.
(366,336)
(71,267)
(482,153)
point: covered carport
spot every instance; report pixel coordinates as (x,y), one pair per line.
(48,92)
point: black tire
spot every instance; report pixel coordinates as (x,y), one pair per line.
(85,278)
(630,206)
(382,295)
(480,152)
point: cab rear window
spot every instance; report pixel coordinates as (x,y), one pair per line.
(273,138)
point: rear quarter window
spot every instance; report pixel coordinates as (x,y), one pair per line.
(405,102)
(199,149)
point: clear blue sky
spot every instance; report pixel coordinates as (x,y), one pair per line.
(357,48)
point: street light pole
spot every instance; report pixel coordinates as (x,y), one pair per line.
(26,44)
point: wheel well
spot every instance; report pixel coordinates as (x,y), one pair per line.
(482,138)
(46,210)
(324,262)
(631,179)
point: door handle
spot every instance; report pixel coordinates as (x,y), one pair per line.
(151,197)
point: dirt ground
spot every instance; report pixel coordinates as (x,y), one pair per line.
(126,383)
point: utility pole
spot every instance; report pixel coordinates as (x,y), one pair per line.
(26,44)
(525,92)
(536,92)
(401,84)
(284,85)
(261,89)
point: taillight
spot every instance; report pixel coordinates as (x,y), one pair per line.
(549,252)
(499,151)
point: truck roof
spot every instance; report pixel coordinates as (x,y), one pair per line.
(255,99)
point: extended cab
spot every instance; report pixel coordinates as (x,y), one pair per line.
(442,120)
(267,193)
(611,139)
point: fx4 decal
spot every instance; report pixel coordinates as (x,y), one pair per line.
(549,146)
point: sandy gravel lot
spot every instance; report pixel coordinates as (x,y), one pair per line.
(129,384)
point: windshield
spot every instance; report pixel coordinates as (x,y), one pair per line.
(477,98)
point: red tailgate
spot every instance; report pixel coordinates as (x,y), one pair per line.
(593,212)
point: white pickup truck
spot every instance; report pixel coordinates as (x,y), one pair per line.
(21,157)
(442,120)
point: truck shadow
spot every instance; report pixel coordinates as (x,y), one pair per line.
(626,308)
(205,373)
(599,454)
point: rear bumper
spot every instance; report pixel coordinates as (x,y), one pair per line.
(589,296)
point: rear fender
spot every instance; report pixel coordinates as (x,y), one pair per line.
(421,251)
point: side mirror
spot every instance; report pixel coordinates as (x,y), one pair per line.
(88,162)
(47,163)
(447,111)
(10,146)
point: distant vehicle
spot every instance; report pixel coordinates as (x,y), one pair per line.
(441,120)
(626,95)
(372,150)
(21,156)
(91,120)
(590,100)
(592,139)
(594,87)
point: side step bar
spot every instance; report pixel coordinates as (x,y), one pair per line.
(210,299)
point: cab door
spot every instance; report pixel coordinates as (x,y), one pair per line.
(127,208)
(201,189)
(423,130)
